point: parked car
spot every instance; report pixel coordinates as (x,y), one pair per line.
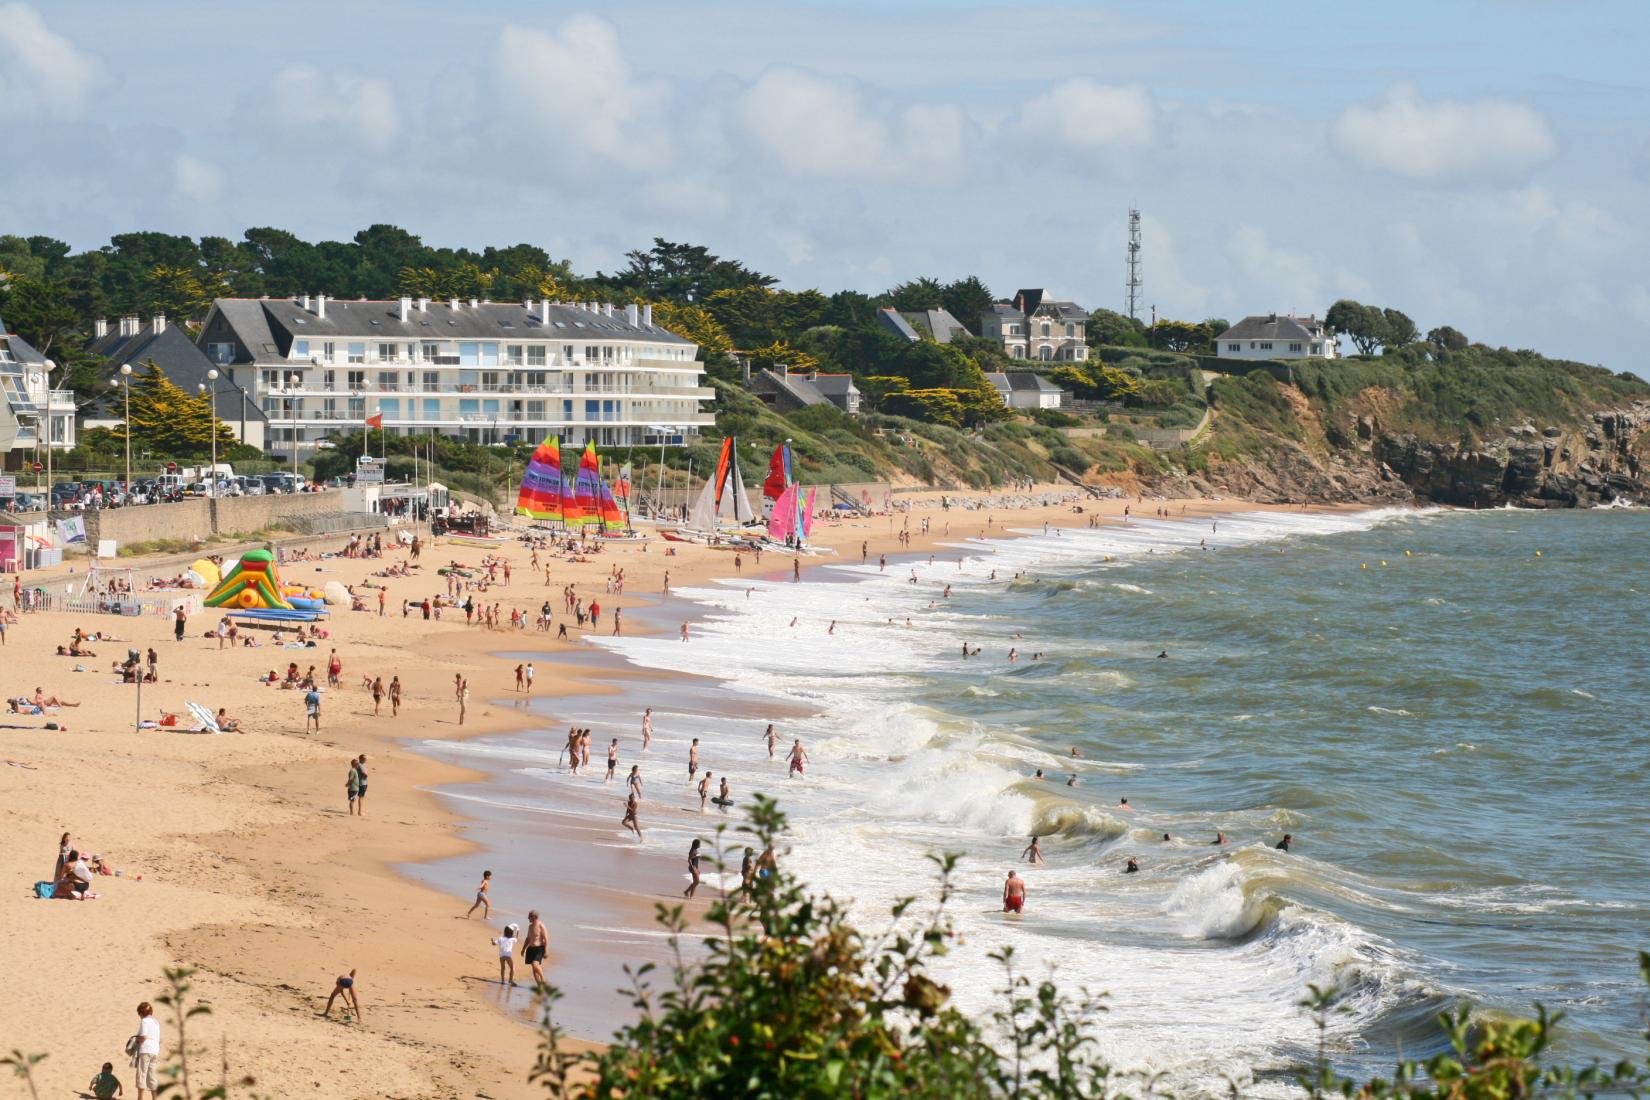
(252,486)
(65,493)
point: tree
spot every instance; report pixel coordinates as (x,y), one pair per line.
(1447,338)
(918,294)
(778,354)
(982,405)
(1400,330)
(932,406)
(875,388)
(39,312)
(166,420)
(1095,381)
(930,365)
(1179,335)
(1365,325)
(966,299)
(174,291)
(1107,326)
(681,273)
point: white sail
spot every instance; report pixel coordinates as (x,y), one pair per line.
(703,516)
(742,512)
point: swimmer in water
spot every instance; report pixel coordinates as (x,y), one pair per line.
(1220,838)
(1163,654)
(1072,781)
(1283,845)
(1132,867)
(1124,805)
(1167,838)
(1033,852)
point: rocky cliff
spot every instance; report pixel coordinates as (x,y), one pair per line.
(1573,444)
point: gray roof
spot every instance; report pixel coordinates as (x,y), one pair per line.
(1001,309)
(183,363)
(279,321)
(15,403)
(939,323)
(1039,302)
(833,385)
(1021,380)
(1276,326)
(890,318)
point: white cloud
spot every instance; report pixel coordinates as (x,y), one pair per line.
(1443,140)
(195,180)
(1275,278)
(815,126)
(41,72)
(1089,117)
(577,91)
(357,112)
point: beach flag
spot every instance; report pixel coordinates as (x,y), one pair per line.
(376,420)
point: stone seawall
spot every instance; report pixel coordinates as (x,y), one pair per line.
(192,520)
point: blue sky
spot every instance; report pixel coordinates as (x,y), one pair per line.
(1482,164)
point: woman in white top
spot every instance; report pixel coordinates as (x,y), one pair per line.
(507,955)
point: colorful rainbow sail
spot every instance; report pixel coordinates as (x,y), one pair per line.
(789,519)
(540,495)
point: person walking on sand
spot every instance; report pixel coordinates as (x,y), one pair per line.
(647,728)
(631,821)
(529,676)
(506,944)
(534,945)
(352,787)
(796,569)
(463,700)
(344,987)
(520,676)
(771,738)
(693,868)
(618,613)
(704,790)
(482,899)
(1033,853)
(798,758)
(395,696)
(1014,894)
(312,710)
(612,759)
(335,669)
(361,792)
(377,694)
(147,1043)
(179,618)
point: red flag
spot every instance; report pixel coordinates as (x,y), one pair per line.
(376,420)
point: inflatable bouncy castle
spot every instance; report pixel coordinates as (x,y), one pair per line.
(253,587)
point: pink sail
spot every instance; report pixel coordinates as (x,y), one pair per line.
(782,524)
(808,515)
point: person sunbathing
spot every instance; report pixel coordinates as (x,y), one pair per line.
(41,699)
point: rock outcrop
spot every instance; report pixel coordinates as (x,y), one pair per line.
(1602,459)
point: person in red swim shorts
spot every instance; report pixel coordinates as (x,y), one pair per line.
(1014,894)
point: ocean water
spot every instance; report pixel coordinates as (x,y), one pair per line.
(1446,709)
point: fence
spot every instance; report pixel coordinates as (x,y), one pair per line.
(161,603)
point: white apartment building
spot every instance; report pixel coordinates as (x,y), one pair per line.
(481,371)
(33,415)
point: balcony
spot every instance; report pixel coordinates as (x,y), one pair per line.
(453,389)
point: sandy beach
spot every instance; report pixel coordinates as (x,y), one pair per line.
(237,854)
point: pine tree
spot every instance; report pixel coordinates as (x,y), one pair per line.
(165,420)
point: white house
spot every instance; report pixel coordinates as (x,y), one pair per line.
(32,413)
(1023,389)
(474,370)
(1277,336)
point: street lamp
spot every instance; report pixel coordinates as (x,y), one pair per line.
(50,366)
(125,382)
(211,396)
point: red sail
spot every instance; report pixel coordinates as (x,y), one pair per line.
(775,485)
(723,462)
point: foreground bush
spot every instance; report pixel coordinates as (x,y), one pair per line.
(792,1001)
